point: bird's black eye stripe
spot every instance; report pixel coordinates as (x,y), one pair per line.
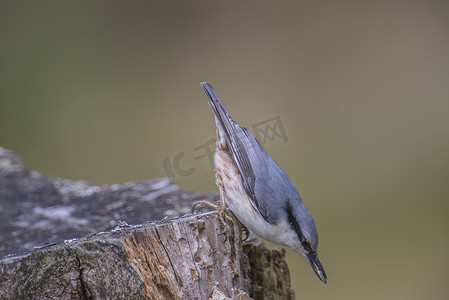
(295,226)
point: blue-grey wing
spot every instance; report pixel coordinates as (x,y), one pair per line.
(243,147)
(264,181)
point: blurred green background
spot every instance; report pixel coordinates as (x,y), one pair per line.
(106,91)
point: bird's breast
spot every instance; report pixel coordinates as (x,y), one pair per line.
(238,200)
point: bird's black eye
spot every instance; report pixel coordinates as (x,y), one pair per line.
(307,246)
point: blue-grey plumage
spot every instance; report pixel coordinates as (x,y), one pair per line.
(257,189)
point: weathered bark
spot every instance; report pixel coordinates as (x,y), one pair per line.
(190,257)
(36,210)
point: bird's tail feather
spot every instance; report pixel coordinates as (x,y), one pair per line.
(221,114)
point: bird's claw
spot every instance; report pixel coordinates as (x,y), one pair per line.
(223,216)
(247,232)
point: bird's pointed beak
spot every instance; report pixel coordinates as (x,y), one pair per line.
(317,267)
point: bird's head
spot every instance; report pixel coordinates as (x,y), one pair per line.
(305,240)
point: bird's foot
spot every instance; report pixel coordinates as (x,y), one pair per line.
(246,230)
(223,216)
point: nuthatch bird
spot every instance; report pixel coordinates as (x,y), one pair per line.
(258,191)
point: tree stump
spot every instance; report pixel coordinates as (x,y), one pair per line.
(189,257)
